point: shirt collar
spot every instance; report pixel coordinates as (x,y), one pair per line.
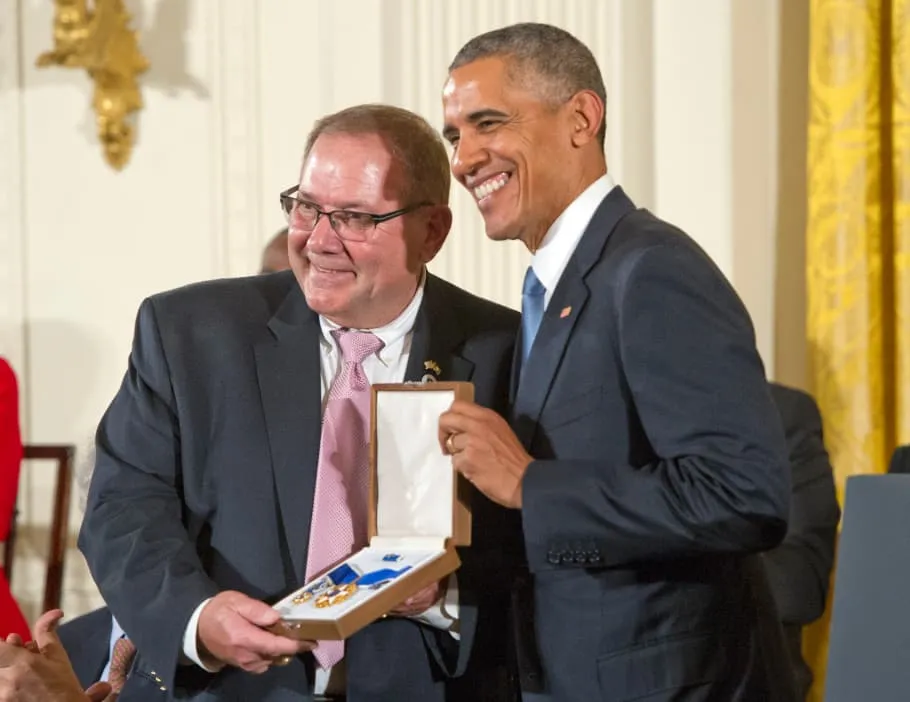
(563,236)
(392,334)
(116,630)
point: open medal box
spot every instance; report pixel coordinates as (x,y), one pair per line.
(419,512)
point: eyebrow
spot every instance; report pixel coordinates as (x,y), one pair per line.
(448,131)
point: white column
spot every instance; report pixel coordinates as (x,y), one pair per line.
(715,136)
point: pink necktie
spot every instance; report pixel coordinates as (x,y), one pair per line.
(124,652)
(338,527)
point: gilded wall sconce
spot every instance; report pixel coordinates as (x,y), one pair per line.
(101,42)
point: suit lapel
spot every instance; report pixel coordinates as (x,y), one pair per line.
(288,368)
(437,337)
(562,314)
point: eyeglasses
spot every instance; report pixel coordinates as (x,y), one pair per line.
(348,224)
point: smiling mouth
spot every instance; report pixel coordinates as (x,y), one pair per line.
(327,271)
(490,186)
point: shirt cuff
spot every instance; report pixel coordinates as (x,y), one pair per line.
(444,613)
(190,638)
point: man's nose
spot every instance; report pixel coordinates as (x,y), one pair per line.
(324,237)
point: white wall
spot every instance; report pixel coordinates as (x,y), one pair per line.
(234,87)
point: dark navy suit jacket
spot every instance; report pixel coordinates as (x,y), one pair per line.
(660,472)
(87,640)
(204,480)
(799,570)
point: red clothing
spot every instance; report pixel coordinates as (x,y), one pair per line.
(11,619)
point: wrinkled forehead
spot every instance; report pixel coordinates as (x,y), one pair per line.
(497,82)
(355,169)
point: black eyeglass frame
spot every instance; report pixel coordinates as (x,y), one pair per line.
(286,197)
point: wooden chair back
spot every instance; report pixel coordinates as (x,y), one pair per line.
(62,454)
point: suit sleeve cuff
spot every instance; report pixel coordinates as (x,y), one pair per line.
(190,639)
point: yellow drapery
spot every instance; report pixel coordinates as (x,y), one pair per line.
(858,239)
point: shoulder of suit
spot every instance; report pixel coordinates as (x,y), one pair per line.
(641,229)
(793,404)
(261,293)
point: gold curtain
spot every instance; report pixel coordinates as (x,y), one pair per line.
(858,239)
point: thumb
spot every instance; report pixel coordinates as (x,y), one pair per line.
(256,612)
(46,629)
(99,693)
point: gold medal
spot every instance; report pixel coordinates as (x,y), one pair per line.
(335,595)
(305,596)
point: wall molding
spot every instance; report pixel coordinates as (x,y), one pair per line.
(236,139)
(12,232)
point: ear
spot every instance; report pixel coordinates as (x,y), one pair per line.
(587,116)
(439,223)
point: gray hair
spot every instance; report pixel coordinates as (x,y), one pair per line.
(546,59)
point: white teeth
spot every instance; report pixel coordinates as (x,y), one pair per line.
(490,186)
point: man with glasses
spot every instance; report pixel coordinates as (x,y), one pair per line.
(231,464)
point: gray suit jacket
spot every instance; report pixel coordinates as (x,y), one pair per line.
(205,472)
(87,641)
(661,468)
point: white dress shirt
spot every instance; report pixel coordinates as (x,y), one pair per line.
(388,365)
(561,239)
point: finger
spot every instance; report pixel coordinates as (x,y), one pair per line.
(46,629)
(461,464)
(99,692)
(269,646)
(31,646)
(457,423)
(256,612)
(14,640)
(471,410)
(451,425)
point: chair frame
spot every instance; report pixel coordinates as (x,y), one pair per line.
(53,582)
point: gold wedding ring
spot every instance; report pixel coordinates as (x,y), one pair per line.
(450,444)
(282,660)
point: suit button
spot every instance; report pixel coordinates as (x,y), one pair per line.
(553,557)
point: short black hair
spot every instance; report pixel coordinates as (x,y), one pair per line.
(545,58)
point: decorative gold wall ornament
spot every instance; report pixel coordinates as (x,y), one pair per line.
(101,42)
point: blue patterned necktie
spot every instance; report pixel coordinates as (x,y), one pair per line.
(532,303)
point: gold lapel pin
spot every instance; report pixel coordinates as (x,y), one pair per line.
(433,372)
(566,311)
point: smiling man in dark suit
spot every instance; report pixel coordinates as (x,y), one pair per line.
(644,451)
(205,503)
